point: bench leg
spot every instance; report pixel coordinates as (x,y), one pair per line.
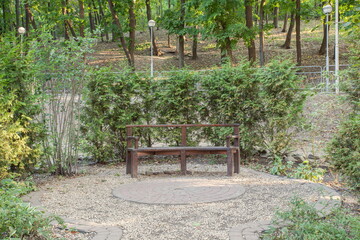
(128,162)
(183,162)
(230,162)
(237,161)
(134,164)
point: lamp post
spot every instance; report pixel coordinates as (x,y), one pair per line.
(151,25)
(327,9)
(21,31)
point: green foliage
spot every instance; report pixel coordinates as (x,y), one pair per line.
(306,171)
(303,221)
(18,105)
(13,148)
(17,219)
(282,104)
(278,167)
(111,102)
(344,150)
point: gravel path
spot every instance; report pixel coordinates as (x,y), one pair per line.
(89,198)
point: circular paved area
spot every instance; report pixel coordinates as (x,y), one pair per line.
(179,191)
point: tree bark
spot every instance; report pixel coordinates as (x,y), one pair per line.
(261,34)
(104,20)
(122,38)
(64,12)
(30,16)
(132,26)
(285,22)
(91,19)
(148,14)
(249,25)
(181,37)
(82,18)
(194,46)
(276,17)
(168,38)
(298,32)
(289,33)
(17,12)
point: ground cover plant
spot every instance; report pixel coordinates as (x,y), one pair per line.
(18,220)
(303,221)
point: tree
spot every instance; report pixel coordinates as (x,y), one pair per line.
(298,32)
(148,15)
(249,25)
(261,33)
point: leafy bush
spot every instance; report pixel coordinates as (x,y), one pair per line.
(17,219)
(344,150)
(111,102)
(13,148)
(303,221)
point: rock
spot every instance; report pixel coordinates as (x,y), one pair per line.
(313,157)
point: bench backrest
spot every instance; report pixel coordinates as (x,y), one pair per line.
(183,129)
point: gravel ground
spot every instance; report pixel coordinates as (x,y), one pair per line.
(89,197)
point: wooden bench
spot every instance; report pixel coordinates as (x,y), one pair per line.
(134,151)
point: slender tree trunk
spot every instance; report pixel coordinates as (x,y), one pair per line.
(82,18)
(229,52)
(100,2)
(5,24)
(181,37)
(285,22)
(70,26)
(91,19)
(30,16)
(148,14)
(17,12)
(122,38)
(132,26)
(298,33)
(194,46)
(168,37)
(261,34)
(276,17)
(323,43)
(249,25)
(64,12)
(289,33)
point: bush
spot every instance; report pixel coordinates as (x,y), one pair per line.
(13,148)
(17,219)
(303,221)
(111,102)
(344,150)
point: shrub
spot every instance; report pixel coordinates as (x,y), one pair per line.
(344,150)
(17,219)
(111,102)
(13,148)
(303,221)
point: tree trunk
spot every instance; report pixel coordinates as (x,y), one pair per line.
(194,46)
(229,52)
(122,38)
(132,26)
(68,22)
(298,33)
(104,19)
(323,43)
(168,38)
(261,34)
(82,18)
(285,22)
(276,17)
(30,16)
(17,12)
(5,24)
(91,19)
(148,14)
(181,37)
(249,25)
(289,33)
(64,12)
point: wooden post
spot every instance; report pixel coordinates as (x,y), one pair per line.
(237,152)
(182,153)
(134,164)
(229,162)
(128,153)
